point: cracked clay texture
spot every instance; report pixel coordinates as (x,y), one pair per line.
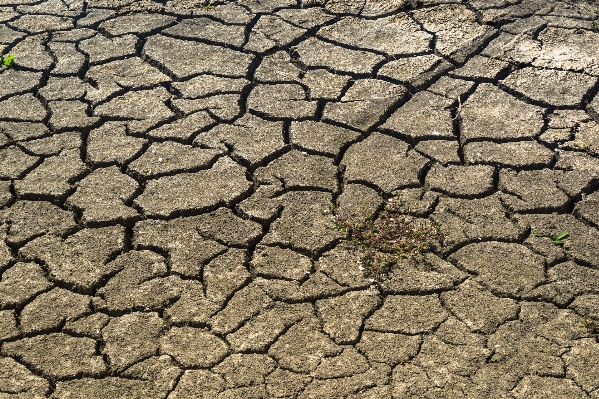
(167,174)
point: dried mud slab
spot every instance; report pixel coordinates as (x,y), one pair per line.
(490,260)
(224,275)
(245,304)
(185,58)
(567,88)
(223,107)
(481,68)
(110,144)
(5,193)
(182,129)
(143,108)
(478,308)
(364,103)
(519,154)
(67,88)
(267,327)
(15,162)
(297,170)
(250,138)
(425,115)
(50,309)
(136,23)
(457,181)
(129,73)
(302,224)
(169,157)
(141,343)
(52,178)
(80,260)
(281,101)
(344,315)
(490,113)
(407,314)
(187,249)
(222,183)
(324,84)
(17,82)
(317,53)
(142,282)
(13,292)
(383,161)
(152,378)
(415,70)
(193,347)
(450,23)
(58,355)
(205,85)
(68,59)
(395,35)
(463,221)
(532,191)
(102,49)
(70,115)
(302,347)
(271,32)
(575,50)
(30,219)
(421,275)
(102,197)
(19,380)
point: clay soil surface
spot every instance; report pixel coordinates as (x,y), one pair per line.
(167,175)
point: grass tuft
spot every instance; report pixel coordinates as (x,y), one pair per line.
(8,61)
(588,323)
(385,240)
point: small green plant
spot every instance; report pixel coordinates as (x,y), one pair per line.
(8,61)
(405,359)
(284,306)
(587,150)
(588,323)
(557,239)
(393,235)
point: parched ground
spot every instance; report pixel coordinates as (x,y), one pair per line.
(167,171)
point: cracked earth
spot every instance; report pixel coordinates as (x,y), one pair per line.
(167,170)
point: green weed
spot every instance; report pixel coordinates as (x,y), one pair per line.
(557,239)
(587,150)
(588,323)
(8,61)
(393,235)
(207,6)
(405,359)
